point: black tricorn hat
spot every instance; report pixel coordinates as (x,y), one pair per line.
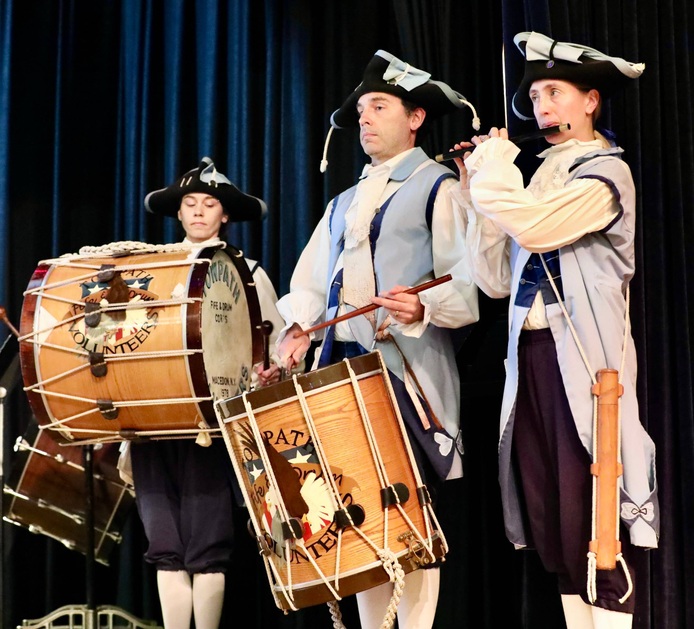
(546,58)
(238,205)
(388,74)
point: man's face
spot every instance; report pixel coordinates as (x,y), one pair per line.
(385,127)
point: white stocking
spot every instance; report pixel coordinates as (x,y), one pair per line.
(578,615)
(608,619)
(419,598)
(373,605)
(208,599)
(417,606)
(176,598)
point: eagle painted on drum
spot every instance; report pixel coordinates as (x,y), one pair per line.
(309,502)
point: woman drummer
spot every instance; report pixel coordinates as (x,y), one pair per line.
(184,491)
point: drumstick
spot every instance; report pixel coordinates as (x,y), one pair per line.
(266,328)
(410,291)
(6,321)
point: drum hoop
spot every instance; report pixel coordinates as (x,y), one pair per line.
(271,403)
(364,366)
(27,351)
(197,371)
(401,555)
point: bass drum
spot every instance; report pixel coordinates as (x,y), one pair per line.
(139,342)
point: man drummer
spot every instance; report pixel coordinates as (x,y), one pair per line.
(396,228)
(184,491)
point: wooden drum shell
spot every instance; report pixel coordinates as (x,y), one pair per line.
(158,378)
(333,407)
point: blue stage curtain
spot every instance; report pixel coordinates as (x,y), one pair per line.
(102,102)
(5,61)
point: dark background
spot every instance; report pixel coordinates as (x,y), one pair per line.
(101,102)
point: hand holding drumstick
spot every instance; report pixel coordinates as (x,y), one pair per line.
(402,301)
(403,307)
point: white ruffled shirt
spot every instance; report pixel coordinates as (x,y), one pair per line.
(444,305)
(546,215)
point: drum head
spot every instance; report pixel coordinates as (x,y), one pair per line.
(230,324)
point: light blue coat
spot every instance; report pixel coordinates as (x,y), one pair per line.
(595,272)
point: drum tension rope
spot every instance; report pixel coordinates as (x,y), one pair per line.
(98,365)
(107,409)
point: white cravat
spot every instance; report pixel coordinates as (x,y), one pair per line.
(358,275)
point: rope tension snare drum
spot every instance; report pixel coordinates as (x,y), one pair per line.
(330,482)
(47,488)
(134,340)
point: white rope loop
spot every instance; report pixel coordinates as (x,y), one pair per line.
(627,574)
(368,428)
(396,575)
(430,521)
(591,584)
(284,514)
(318,444)
(336,615)
(272,482)
(271,572)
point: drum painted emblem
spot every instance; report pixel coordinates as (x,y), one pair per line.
(117,331)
